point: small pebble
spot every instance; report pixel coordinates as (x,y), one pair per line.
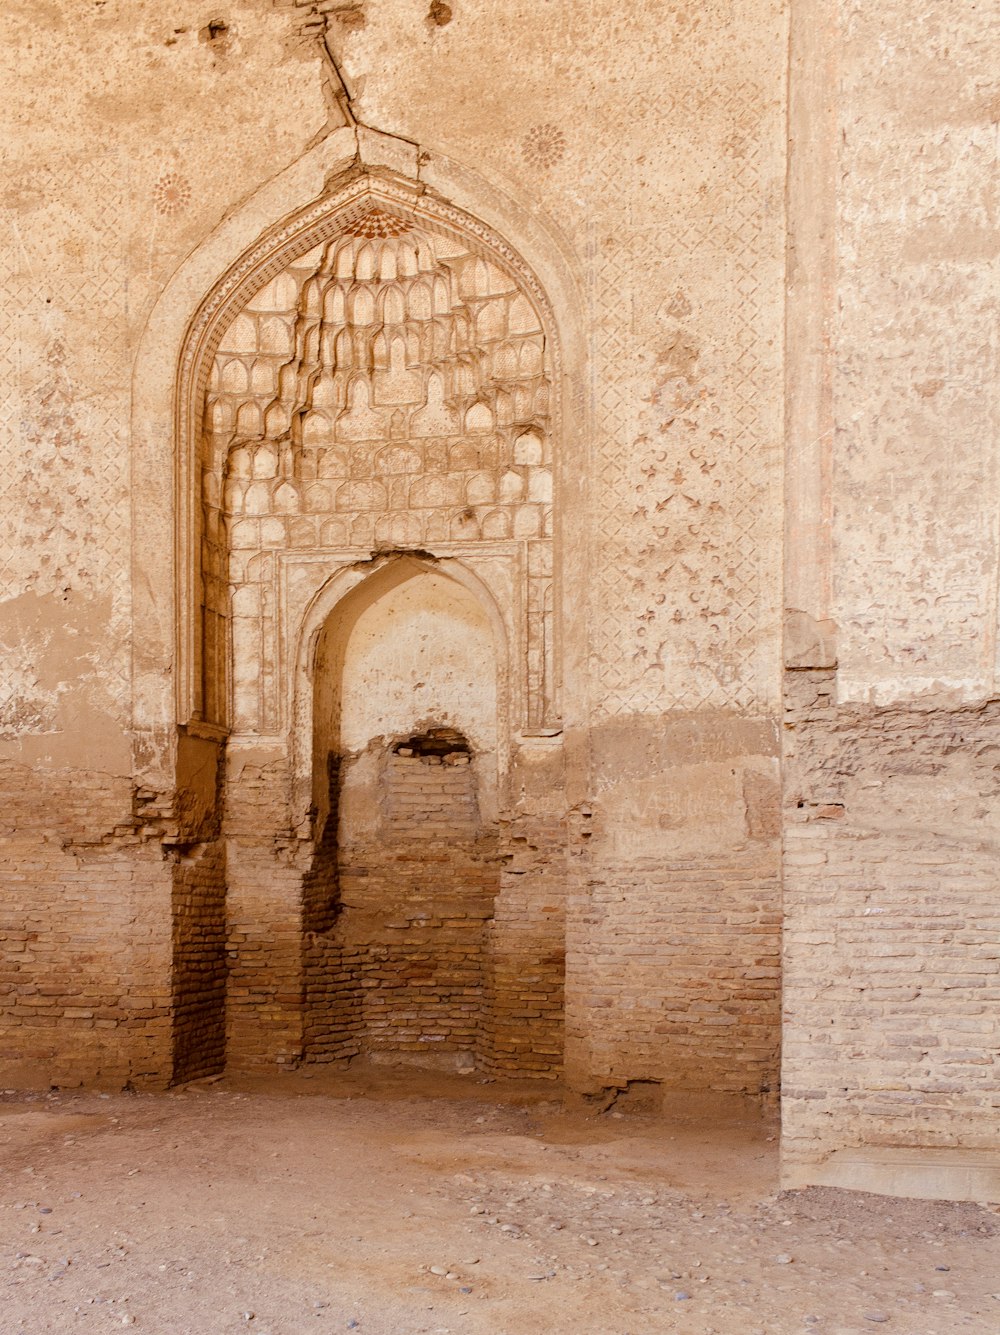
(942,1293)
(942,1267)
(681,1297)
(876,1316)
(783,1259)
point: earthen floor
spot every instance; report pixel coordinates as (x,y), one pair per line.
(394,1205)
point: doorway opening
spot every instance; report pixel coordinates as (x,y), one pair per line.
(400,900)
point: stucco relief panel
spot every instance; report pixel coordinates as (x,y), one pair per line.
(390,390)
(917,467)
(687,393)
(64,398)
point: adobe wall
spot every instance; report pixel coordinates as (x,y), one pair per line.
(719,250)
(636,162)
(891,964)
(104,860)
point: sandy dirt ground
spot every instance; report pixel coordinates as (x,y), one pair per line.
(391,1205)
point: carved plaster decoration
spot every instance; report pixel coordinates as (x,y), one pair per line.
(171,193)
(376,376)
(543,145)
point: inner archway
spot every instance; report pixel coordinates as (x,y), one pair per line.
(400,900)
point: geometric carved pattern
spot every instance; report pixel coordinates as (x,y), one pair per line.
(388,389)
(376,222)
(683,514)
(64,398)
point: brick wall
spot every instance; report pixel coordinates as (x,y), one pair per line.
(265,869)
(431,953)
(439,940)
(400,971)
(527,947)
(675,973)
(196,850)
(892,938)
(199,962)
(85,938)
(673,935)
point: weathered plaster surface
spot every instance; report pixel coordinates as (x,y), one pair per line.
(890,967)
(917,353)
(696,240)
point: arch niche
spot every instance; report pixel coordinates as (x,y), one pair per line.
(400,900)
(368,402)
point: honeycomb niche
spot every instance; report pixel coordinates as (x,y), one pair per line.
(369,394)
(389,389)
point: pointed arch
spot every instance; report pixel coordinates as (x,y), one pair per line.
(342,598)
(256,262)
(240,266)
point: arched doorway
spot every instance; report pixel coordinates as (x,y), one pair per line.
(399,903)
(373,391)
